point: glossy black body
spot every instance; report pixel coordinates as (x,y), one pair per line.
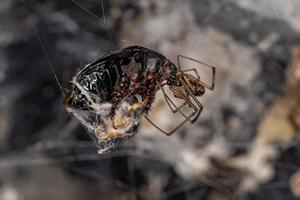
(134,70)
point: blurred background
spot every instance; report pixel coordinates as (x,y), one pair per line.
(245,145)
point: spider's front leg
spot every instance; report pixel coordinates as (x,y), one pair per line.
(190,100)
(181,94)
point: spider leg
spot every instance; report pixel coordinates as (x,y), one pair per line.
(187,101)
(170,103)
(186,97)
(197,108)
(198,104)
(213,71)
(193,115)
(178,94)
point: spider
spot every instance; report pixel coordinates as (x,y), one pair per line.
(111,95)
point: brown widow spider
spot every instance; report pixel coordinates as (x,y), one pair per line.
(189,89)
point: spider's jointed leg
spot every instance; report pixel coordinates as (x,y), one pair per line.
(213,71)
